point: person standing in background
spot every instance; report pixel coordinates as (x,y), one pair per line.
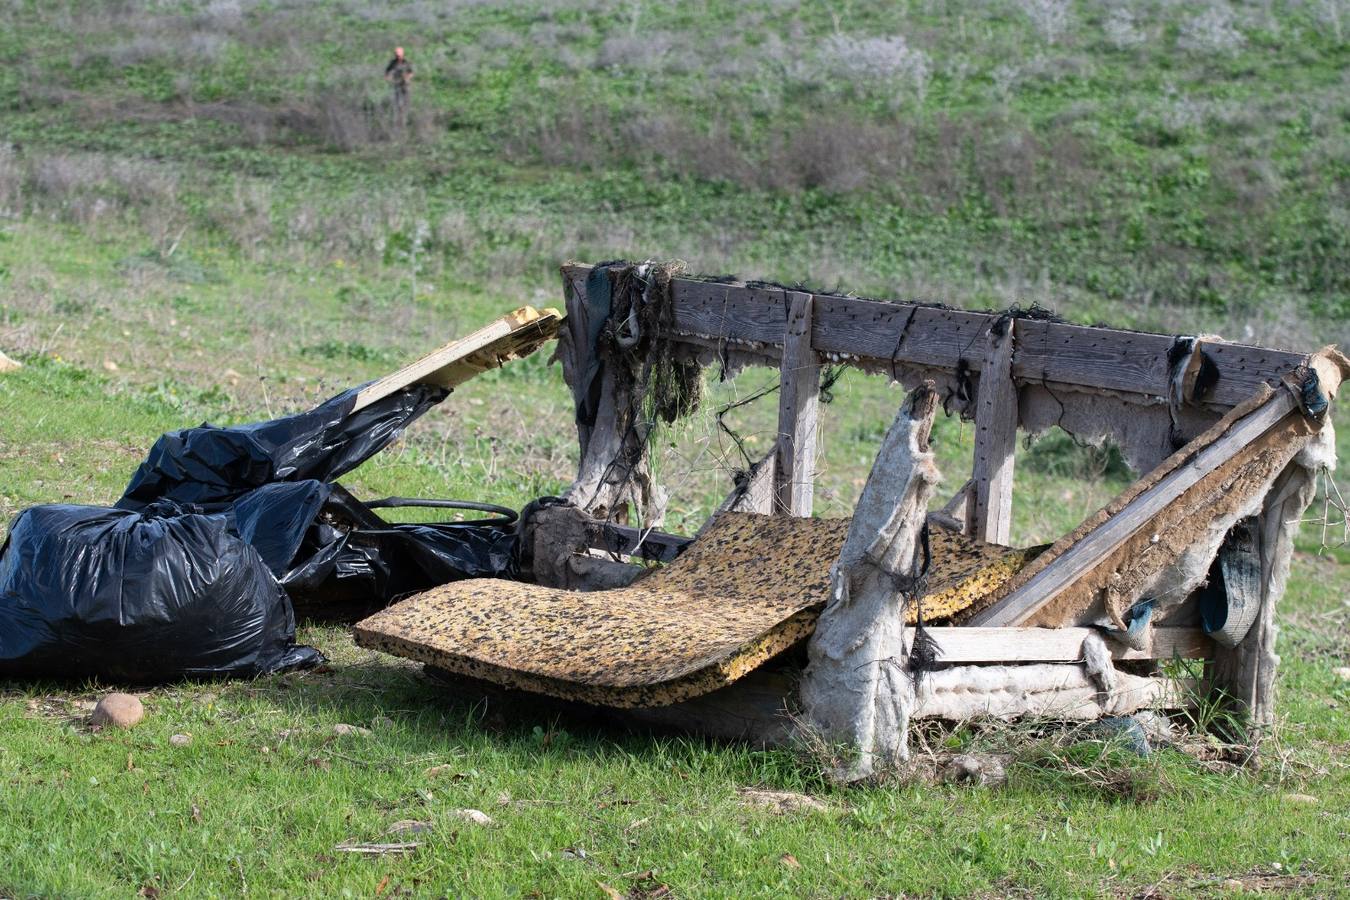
(399,73)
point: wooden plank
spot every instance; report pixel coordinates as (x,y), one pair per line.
(1244,367)
(1104,358)
(953,515)
(1245,674)
(798,411)
(1022,603)
(516,334)
(990,516)
(962,644)
(905,333)
(729,312)
(756,492)
(759,707)
(876,333)
(760,486)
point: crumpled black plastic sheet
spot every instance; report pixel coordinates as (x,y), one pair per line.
(194,572)
(210,464)
(347,561)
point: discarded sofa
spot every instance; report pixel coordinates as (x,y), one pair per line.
(768,621)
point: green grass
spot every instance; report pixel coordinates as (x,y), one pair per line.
(203,216)
(265,791)
(111,813)
(1145,181)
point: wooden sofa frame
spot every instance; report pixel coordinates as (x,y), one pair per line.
(1184,409)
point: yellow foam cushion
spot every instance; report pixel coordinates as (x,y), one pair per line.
(749,588)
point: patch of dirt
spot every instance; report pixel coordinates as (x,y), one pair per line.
(780,802)
(1260,880)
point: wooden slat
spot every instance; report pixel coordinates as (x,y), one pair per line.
(798,409)
(990,517)
(515,334)
(953,515)
(1096,546)
(758,708)
(870,332)
(757,493)
(1244,368)
(963,644)
(729,312)
(1104,358)
(901,332)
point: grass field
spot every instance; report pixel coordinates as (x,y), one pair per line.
(207,213)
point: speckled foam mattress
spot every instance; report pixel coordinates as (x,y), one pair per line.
(749,588)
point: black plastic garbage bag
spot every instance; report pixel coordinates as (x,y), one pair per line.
(329,551)
(340,560)
(210,464)
(351,554)
(89,592)
(194,572)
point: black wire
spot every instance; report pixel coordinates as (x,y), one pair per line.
(829,377)
(505,515)
(740,442)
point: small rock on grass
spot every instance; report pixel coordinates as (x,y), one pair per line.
(409,826)
(1157,728)
(975,768)
(345,730)
(473,816)
(1342,672)
(781,802)
(180,740)
(118,711)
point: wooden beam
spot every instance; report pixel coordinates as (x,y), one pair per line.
(961,644)
(954,514)
(1187,467)
(856,692)
(990,515)
(614,478)
(755,491)
(516,334)
(798,411)
(878,334)
(1245,674)
(1243,677)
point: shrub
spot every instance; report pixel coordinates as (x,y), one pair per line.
(1121,30)
(872,63)
(1213,31)
(1050,18)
